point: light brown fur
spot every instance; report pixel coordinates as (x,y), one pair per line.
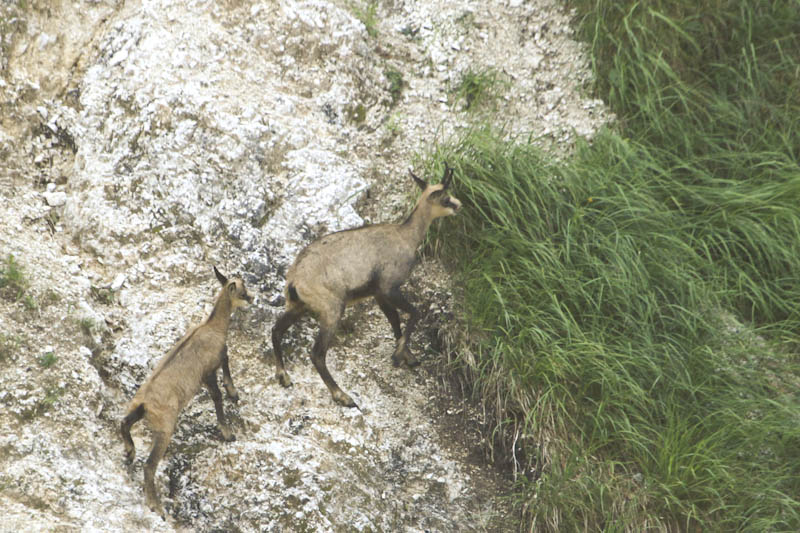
(341,268)
(177,378)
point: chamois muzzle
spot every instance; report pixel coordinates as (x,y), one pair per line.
(452,203)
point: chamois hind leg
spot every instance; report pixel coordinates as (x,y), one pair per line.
(328,322)
(216,396)
(226,376)
(151,497)
(402,352)
(125,428)
(289,317)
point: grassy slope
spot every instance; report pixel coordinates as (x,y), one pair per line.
(635,310)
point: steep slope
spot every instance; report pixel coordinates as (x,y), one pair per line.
(143,141)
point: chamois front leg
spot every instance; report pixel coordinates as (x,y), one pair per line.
(216,396)
(391,314)
(402,353)
(227,381)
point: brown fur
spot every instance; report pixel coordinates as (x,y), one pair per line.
(341,268)
(192,362)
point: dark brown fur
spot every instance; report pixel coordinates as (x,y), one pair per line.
(347,266)
(192,362)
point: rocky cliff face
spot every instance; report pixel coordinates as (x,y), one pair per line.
(143,141)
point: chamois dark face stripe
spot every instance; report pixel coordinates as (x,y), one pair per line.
(241,291)
(449,203)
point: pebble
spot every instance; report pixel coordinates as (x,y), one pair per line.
(55,198)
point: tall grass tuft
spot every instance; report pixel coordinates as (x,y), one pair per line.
(635,311)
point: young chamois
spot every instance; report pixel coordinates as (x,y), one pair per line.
(347,266)
(192,362)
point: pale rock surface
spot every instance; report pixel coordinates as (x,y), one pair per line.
(143,141)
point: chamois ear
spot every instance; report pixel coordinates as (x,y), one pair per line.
(421,183)
(448,176)
(222,279)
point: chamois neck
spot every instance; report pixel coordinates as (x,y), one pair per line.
(417,223)
(221,314)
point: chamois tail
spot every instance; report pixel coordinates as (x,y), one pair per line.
(293,296)
(133,416)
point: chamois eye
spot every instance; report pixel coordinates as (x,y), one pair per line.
(436,196)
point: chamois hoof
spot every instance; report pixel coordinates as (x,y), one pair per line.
(156,507)
(234,397)
(283,379)
(396,362)
(411,361)
(344,399)
(403,355)
(130,456)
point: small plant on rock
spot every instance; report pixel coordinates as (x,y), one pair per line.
(47,359)
(479,89)
(87,325)
(102,295)
(393,129)
(12,279)
(396,84)
(368,16)
(7,346)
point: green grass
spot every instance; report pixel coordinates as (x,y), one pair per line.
(368,15)
(478,90)
(9,345)
(87,326)
(396,84)
(12,278)
(102,295)
(14,285)
(356,114)
(634,311)
(47,359)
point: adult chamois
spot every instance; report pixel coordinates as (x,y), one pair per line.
(350,265)
(192,362)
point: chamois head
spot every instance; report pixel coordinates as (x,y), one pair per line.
(435,197)
(236,290)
